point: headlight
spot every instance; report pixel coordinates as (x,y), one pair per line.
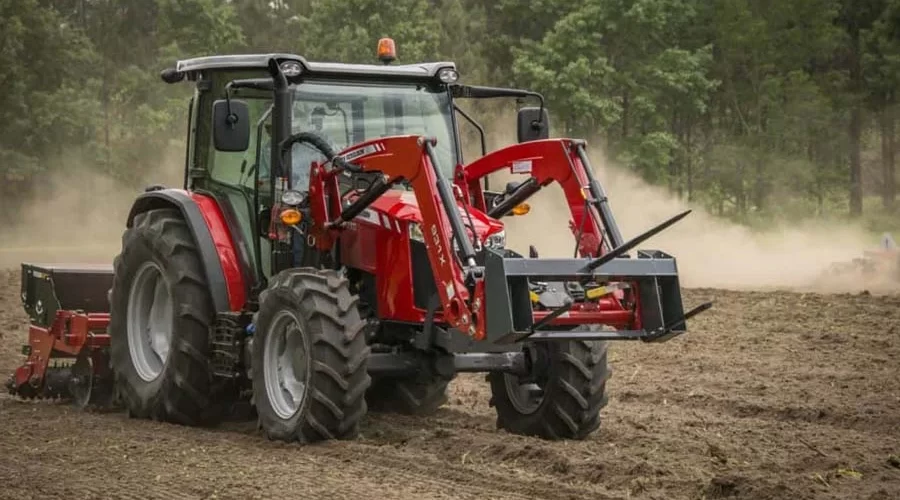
(448,75)
(292,198)
(496,240)
(415,232)
(291,68)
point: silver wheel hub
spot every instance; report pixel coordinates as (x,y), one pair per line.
(525,397)
(149,322)
(285,365)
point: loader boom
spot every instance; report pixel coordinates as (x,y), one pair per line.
(547,161)
(410,158)
(651,282)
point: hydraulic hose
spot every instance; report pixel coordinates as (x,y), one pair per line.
(317,141)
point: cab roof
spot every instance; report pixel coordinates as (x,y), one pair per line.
(191,67)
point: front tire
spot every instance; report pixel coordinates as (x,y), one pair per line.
(160,315)
(310,358)
(562,403)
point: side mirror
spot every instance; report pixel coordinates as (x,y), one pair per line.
(231,125)
(533,124)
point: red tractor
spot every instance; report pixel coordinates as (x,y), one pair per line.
(363,278)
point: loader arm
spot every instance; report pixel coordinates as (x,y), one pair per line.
(490,301)
(647,305)
(411,158)
(549,160)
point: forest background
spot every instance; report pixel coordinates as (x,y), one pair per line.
(758,111)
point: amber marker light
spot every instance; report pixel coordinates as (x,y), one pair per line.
(290,217)
(521,209)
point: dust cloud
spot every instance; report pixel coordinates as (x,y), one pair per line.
(709,251)
(78,215)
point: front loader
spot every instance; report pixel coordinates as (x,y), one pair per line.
(330,253)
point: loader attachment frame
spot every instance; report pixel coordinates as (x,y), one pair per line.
(658,314)
(649,308)
(491,300)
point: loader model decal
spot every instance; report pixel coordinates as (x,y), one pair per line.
(367,150)
(521,167)
(440,248)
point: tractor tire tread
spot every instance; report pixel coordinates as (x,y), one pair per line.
(573,397)
(181,394)
(334,405)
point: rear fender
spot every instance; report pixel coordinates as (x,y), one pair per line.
(213,239)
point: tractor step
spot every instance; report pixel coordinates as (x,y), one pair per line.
(226,344)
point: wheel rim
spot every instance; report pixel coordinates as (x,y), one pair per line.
(286,366)
(526,397)
(149,324)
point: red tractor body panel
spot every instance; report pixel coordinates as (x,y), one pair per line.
(379,243)
(225,248)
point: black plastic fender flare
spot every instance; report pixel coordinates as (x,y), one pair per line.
(180,199)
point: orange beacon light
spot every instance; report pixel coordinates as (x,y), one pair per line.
(387,51)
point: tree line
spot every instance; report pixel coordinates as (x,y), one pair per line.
(754,108)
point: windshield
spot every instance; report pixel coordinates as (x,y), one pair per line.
(350,113)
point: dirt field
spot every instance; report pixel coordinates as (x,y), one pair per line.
(771,395)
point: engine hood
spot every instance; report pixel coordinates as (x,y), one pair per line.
(403,206)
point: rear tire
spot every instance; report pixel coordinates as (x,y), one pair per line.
(164,375)
(573,393)
(314,389)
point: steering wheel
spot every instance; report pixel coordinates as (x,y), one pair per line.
(318,142)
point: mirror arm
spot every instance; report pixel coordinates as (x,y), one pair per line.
(231,118)
(536,124)
(476,125)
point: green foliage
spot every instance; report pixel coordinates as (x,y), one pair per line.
(348,30)
(742,105)
(42,108)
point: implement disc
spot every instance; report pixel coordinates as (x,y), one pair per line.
(82,380)
(85,388)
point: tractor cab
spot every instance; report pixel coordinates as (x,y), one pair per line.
(231,156)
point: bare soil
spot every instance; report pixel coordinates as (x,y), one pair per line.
(770,395)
